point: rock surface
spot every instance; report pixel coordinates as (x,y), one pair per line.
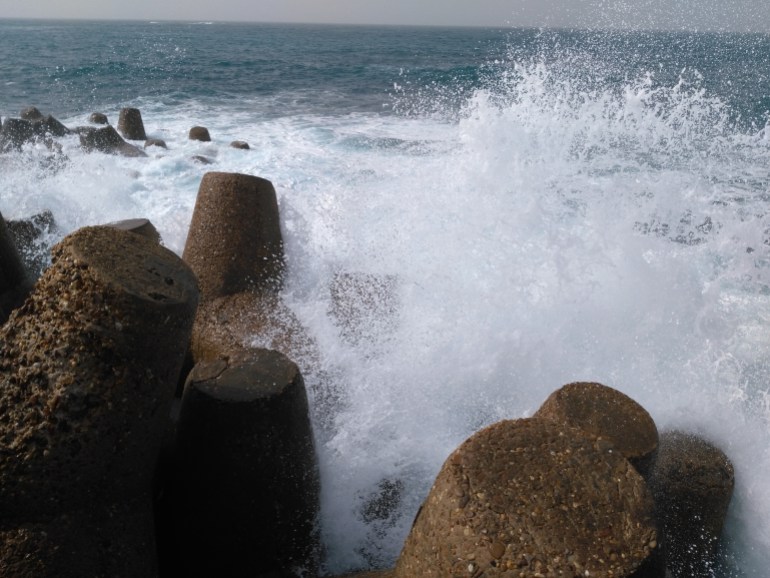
(532,498)
(692,481)
(608,414)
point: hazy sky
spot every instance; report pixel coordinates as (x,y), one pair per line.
(741,15)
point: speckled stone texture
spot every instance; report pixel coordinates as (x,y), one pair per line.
(234,243)
(88,366)
(531,498)
(247,493)
(130,124)
(14,281)
(692,481)
(606,413)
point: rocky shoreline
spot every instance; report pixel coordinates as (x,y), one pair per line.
(142,434)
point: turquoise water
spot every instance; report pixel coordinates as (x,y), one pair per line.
(552,205)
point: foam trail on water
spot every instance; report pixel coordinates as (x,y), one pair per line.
(553,231)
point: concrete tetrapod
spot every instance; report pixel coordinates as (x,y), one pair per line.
(247,489)
(130,124)
(234,243)
(14,281)
(605,413)
(88,366)
(531,498)
(692,481)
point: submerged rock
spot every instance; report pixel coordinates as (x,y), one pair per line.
(33,237)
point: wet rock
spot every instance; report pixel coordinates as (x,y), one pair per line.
(533,498)
(234,243)
(33,238)
(130,124)
(16,132)
(107,140)
(50,127)
(155,142)
(692,482)
(240,144)
(608,414)
(31,113)
(88,367)
(139,226)
(199,133)
(15,281)
(200,159)
(248,492)
(98,118)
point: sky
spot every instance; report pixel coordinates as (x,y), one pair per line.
(736,15)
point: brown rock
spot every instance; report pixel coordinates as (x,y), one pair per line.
(130,124)
(692,482)
(200,159)
(16,132)
(234,243)
(532,498)
(605,413)
(88,367)
(248,493)
(200,133)
(240,144)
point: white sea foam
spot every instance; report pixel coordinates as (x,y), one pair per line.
(552,234)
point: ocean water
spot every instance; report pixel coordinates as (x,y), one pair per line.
(541,206)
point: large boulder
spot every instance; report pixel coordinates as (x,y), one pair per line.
(88,369)
(608,414)
(247,491)
(16,132)
(692,481)
(530,497)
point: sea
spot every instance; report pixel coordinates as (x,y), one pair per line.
(539,206)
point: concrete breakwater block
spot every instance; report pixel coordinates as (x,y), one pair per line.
(107,140)
(32,237)
(130,124)
(692,481)
(247,491)
(608,414)
(88,367)
(14,280)
(530,497)
(234,243)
